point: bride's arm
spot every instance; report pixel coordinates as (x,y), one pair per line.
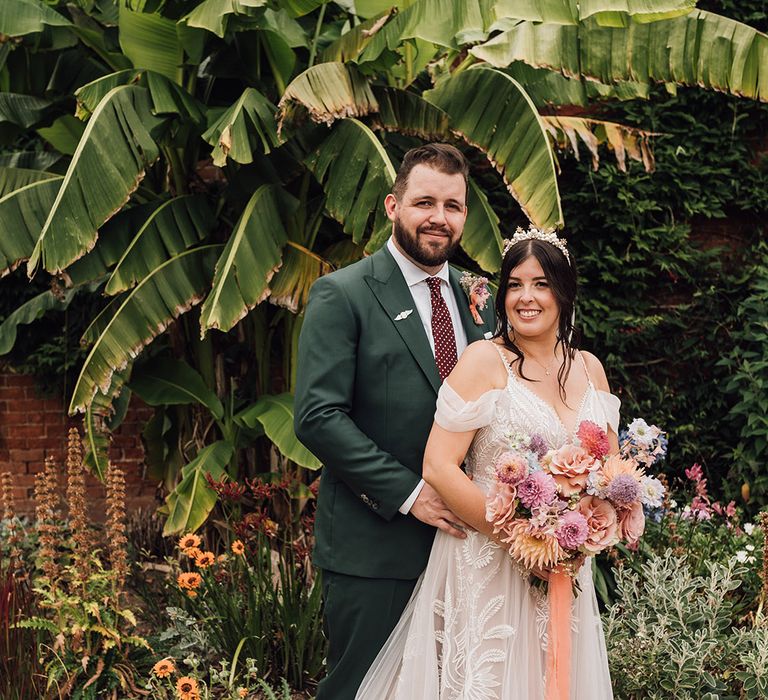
(479,371)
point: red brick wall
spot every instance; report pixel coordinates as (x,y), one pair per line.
(32,428)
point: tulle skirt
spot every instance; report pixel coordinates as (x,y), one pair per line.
(475,629)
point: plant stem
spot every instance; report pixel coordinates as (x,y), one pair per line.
(318,26)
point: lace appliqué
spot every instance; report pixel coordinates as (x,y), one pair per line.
(467,655)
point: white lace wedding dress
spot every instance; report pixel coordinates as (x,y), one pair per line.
(474,628)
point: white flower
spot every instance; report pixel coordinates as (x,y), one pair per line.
(751,560)
(642,434)
(651,492)
(672,503)
(750,548)
(749,528)
(741,556)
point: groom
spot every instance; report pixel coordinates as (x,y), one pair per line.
(378,338)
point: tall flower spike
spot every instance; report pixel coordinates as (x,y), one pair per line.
(47,518)
(6,496)
(115,526)
(78,508)
(763,519)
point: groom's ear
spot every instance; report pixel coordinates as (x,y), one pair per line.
(390,205)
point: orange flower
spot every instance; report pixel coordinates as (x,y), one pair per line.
(193,552)
(191,594)
(188,542)
(205,559)
(238,547)
(270,528)
(242,692)
(164,668)
(189,581)
(186,689)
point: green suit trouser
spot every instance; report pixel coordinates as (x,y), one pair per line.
(359,615)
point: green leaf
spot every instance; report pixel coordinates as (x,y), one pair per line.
(165,294)
(350,44)
(170,229)
(491,111)
(275,413)
(698,48)
(165,381)
(23,213)
(190,503)
(23,110)
(246,266)
(482,239)
(89,95)
(64,134)
(247,126)
(616,12)
(290,285)
(214,15)
(151,41)
(12,179)
(29,312)
(98,434)
(406,112)
(114,152)
(356,174)
(21,17)
(327,91)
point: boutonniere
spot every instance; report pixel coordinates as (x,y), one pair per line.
(476,289)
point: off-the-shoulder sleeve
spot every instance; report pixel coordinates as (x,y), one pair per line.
(458,416)
(610,404)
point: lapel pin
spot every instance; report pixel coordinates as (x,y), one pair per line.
(403,314)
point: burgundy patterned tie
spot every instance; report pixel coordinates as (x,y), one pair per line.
(442,330)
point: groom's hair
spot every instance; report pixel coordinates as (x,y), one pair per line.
(440,156)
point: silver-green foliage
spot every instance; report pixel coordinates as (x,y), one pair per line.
(671,634)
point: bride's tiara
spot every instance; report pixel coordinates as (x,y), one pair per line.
(533,233)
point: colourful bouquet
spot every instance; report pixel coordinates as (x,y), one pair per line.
(553,507)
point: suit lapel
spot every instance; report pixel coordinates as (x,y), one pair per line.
(391,291)
(474,332)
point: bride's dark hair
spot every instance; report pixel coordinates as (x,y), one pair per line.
(561,276)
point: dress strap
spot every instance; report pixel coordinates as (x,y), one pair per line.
(584,364)
(503,359)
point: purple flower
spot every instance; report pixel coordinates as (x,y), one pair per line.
(536,490)
(623,490)
(572,531)
(538,445)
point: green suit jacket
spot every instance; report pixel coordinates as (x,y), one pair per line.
(366,388)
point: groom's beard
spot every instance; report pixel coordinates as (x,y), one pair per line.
(423,253)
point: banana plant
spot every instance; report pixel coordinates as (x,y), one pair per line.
(194,174)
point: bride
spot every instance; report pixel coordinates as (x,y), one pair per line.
(475,628)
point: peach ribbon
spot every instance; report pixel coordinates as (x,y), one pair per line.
(560,593)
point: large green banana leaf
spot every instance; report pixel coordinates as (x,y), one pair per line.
(12,179)
(349,45)
(108,165)
(275,413)
(29,312)
(114,237)
(163,295)
(165,381)
(151,41)
(22,17)
(249,260)
(291,283)
(482,238)
(247,126)
(170,229)
(64,134)
(406,112)
(22,110)
(22,215)
(356,174)
(603,11)
(490,110)
(328,91)
(33,160)
(97,425)
(190,503)
(214,15)
(698,48)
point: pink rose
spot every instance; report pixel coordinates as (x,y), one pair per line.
(602,522)
(632,523)
(571,465)
(500,505)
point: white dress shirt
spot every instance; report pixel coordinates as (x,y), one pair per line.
(416,279)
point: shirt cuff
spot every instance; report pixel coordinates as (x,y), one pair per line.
(406,507)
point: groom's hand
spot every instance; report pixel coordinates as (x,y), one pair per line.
(431,509)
